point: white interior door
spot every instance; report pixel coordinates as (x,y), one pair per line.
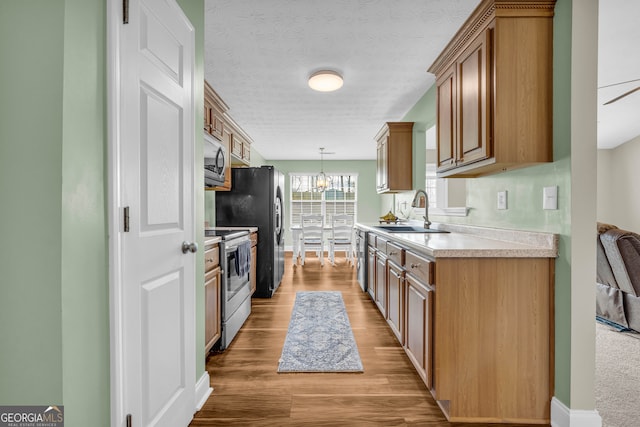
(155,295)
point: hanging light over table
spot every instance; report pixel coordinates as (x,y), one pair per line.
(321,178)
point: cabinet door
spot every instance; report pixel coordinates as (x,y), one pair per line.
(396,300)
(419,328)
(446,120)
(246,153)
(382,173)
(207,116)
(473,95)
(217,122)
(212,325)
(236,146)
(371,272)
(381,283)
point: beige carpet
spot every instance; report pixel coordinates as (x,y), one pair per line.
(617,387)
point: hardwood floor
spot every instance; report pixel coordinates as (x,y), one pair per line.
(248,390)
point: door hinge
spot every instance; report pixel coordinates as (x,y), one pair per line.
(125,11)
(129,423)
(126,219)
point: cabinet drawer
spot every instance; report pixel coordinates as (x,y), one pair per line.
(420,267)
(211,258)
(371,239)
(381,244)
(395,253)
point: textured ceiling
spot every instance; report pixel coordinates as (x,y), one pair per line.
(259,54)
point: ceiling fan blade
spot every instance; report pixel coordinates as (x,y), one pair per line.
(617,98)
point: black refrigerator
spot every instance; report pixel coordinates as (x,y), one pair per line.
(256,199)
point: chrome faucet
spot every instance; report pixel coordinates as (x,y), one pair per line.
(416,203)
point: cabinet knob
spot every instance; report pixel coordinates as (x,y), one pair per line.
(415,265)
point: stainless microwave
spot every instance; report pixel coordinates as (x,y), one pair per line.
(215,165)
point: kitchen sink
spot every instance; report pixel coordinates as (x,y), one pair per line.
(407,229)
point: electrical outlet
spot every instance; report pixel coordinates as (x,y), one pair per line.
(550,198)
(502,199)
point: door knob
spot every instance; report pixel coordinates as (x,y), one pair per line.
(189,247)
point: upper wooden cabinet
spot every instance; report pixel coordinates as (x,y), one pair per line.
(394,161)
(240,144)
(494,90)
(219,124)
(214,109)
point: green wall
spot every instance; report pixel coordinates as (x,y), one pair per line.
(423,114)
(193,9)
(84,252)
(524,187)
(54,308)
(31,144)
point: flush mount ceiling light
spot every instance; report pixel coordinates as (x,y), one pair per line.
(325,81)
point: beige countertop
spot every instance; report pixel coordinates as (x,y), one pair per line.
(475,242)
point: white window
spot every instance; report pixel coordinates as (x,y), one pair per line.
(446,196)
(434,187)
(340,197)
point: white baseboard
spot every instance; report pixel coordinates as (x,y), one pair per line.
(203,390)
(561,416)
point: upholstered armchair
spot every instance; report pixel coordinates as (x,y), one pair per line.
(618,276)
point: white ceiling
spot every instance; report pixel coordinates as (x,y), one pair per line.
(618,61)
(259,54)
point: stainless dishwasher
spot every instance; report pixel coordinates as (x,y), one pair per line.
(361,255)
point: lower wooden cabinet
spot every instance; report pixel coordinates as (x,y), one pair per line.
(396,305)
(371,272)
(419,327)
(493,335)
(212,309)
(212,326)
(483,344)
(381,283)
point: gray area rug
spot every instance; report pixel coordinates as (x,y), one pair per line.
(617,382)
(319,338)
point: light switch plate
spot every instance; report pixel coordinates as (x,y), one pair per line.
(502,199)
(550,198)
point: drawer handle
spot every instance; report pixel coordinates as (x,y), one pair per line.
(393,253)
(415,265)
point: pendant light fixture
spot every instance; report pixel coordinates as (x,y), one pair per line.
(321,178)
